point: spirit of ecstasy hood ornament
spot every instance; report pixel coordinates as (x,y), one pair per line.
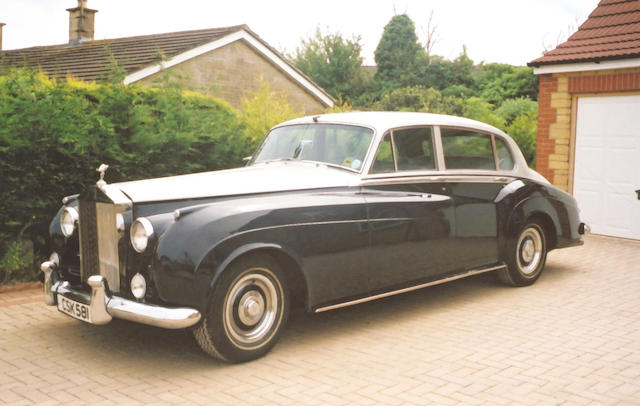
(102,169)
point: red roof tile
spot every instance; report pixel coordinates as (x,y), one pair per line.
(92,60)
(612,31)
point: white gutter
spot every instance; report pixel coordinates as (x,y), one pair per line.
(587,66)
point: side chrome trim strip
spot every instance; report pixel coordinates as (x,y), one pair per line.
(440,178)
(409,289)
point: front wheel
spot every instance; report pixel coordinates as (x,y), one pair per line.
(526,258)
(247,312)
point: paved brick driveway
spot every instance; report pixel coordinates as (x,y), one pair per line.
(573,338)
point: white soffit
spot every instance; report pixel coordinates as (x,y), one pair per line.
(587,66)
(226,40)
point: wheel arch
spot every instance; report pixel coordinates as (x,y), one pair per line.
(548,227)
(291,266)
(542,212)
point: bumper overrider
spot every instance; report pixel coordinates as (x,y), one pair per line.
(103,306)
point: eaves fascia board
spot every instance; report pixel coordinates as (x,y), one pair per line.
(587,66)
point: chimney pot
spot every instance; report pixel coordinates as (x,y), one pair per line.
(81,23)
(1,25)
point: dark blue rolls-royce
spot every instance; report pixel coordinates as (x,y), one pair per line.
(332,210)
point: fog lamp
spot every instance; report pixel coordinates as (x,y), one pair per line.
(138,286)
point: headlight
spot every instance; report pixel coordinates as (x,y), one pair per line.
(141,232)
(138,286)
(120,224)
(68,221)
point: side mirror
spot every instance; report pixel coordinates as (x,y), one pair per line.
(246,159)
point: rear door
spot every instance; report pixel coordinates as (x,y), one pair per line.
(471,159)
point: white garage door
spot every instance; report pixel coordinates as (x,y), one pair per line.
(607,164)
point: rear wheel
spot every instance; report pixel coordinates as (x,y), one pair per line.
(248,310)
(526,256)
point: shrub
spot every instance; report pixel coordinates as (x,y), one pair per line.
(55,133)
(523,129)
(262,110)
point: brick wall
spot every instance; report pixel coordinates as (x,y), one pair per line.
(555,109)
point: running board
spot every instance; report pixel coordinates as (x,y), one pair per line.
(409,289)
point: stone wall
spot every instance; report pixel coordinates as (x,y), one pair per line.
(555,110)
(234,71)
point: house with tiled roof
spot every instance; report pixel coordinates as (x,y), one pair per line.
(589,117)
(230,62)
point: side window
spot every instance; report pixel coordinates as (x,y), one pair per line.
(384,158)
(465,149)
(414,149)
(505,160)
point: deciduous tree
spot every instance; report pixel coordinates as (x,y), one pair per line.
(333,62)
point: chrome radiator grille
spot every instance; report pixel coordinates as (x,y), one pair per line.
(99,242)
(87,224)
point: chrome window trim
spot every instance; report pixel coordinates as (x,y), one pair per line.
(495,152)
(493,135)
(487,133)
(375,154)
(441,178)
(393,151)
(438,148)
(436,136)
(509,150)
(434,142)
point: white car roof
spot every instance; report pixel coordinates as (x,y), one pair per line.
(381,121)
(384,120)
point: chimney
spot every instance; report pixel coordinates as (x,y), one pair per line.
(1,25)
(81,24)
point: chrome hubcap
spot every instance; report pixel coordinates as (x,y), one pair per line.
(530,248)
(253,308)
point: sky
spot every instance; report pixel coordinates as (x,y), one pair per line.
(505,31)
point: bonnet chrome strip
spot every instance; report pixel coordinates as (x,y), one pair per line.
(409,289)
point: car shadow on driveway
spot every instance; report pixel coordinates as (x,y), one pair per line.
(127,342)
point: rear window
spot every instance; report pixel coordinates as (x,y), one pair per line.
(407,149)
(465,149)
(414,149)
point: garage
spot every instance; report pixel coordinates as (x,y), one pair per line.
(589,118)
(607,164)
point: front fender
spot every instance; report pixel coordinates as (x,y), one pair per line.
(198,246)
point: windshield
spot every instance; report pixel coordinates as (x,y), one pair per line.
(335,144)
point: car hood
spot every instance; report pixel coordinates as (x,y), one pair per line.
(261,178)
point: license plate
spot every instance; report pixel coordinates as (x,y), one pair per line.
(74,309)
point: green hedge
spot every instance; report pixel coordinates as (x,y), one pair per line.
(53,134)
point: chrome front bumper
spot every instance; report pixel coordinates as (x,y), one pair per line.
(104,306)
